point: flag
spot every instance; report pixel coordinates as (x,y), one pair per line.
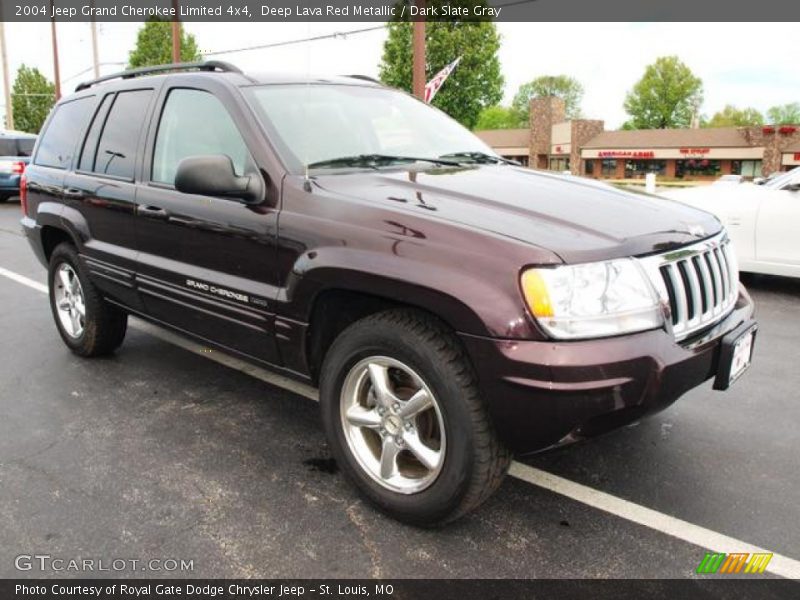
(438,80)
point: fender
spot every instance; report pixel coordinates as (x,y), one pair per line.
(457,291)
(49,214)
(76,225)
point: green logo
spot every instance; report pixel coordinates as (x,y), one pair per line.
(735,562)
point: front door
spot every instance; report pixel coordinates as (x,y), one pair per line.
(206,264)
(777,226)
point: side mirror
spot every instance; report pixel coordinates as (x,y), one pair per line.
(214,175)
(792,187)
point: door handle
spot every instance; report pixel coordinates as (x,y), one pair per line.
(152,212)
(74,194)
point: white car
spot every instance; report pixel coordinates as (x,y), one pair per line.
(762,220)
(729,180)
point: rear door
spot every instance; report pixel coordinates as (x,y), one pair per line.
(101,191)
(55,153)
(206,264)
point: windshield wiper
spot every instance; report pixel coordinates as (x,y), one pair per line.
(479,157)
(376,160)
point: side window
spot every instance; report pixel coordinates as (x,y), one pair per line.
(61,136)
(195,123)
(26,146)
(89,151)
(116,150)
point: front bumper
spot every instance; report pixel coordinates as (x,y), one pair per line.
(544,393)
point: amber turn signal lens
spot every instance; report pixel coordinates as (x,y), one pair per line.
(536,295)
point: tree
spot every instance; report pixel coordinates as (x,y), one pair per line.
(562,86)
(154,45)
(730,116)
(498,117)
(475,84)
(786,114)
(32,97)
(667,96)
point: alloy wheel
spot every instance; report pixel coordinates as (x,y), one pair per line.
(393,424)
(69,300)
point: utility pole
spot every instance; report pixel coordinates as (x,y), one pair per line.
(6,85)
(56,71)
(418,51)
(95,58)
(176,35)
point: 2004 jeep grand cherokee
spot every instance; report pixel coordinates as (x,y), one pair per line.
(451,307)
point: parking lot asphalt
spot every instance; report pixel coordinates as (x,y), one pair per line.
(158,452)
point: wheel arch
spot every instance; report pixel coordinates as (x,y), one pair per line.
(52,236)
(333,308)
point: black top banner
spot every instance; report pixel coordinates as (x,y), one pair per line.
(387,10)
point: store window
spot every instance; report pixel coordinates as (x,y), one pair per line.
(700,167)
(637,169)
(559,164)
(589,169)
(608,167)
(746,168)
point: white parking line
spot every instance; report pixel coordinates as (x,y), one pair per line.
(780,565)
(39,287)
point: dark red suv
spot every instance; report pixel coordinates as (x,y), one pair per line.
(451,307)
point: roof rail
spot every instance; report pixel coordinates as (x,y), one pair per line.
(211,65)
(364,78)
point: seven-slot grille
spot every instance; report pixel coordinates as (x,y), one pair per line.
(700,283)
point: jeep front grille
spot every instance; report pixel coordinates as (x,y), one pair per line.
(699,283)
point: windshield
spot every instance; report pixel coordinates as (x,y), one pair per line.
(318,125)
(781,181)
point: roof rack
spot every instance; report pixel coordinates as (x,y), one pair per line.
(211,65)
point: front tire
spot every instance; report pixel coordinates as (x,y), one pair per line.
(88,324)
(405,421)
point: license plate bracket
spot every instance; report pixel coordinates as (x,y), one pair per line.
(736,355)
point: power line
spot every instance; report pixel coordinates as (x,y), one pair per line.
(103,64)
(334,35)
(337,34)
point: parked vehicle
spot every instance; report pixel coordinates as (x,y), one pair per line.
(452,308)
(15,152)
(762,220)
(729,180)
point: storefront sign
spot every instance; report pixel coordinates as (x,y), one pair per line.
(626,154)
(797,155)
(678,153)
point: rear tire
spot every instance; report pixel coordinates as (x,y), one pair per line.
(88,324)
(445,459)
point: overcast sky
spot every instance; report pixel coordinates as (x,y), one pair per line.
(747,64)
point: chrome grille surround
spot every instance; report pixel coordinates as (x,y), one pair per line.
(697,285)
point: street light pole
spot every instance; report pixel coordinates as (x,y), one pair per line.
(176,35)
(95,58)
(6,85)
(56,71)
(418,51)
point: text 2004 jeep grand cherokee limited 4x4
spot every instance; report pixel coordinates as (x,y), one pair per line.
(452,308)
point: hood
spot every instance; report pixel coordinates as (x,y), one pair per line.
(578,219)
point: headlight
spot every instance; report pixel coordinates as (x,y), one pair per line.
(592,300)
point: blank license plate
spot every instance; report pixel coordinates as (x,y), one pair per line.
(742,352)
